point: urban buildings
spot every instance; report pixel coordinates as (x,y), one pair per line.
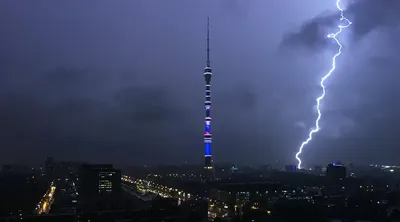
(99,180)
(290,168)
(335,172)
(55,169)
(20,189)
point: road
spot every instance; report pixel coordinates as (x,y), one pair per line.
(215,209)
(44,205)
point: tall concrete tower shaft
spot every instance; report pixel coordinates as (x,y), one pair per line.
(208,167)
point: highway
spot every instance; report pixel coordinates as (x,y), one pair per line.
(44,205)
(132,191)
(216,208)
(145,186)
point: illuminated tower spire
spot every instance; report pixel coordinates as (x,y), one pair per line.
(208,165)
(208,43)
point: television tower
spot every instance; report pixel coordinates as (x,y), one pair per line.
(208,164)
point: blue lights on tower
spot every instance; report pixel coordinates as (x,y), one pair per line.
(207,149)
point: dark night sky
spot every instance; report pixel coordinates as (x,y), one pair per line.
(122,81)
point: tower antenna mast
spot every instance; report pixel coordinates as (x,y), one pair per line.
(208,42)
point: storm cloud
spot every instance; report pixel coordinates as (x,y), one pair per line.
(70,106)
(123,82)
(366,16)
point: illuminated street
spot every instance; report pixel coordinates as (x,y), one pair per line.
(145,186)
(43,207)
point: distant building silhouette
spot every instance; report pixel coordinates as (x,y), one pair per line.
(335,172)
(290,168)
(99,181)
(317,170)
(16,169)
(49,166)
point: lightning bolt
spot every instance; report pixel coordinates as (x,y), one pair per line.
(321,97)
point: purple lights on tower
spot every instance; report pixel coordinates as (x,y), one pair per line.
(208,166)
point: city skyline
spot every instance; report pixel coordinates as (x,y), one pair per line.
(122,83)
